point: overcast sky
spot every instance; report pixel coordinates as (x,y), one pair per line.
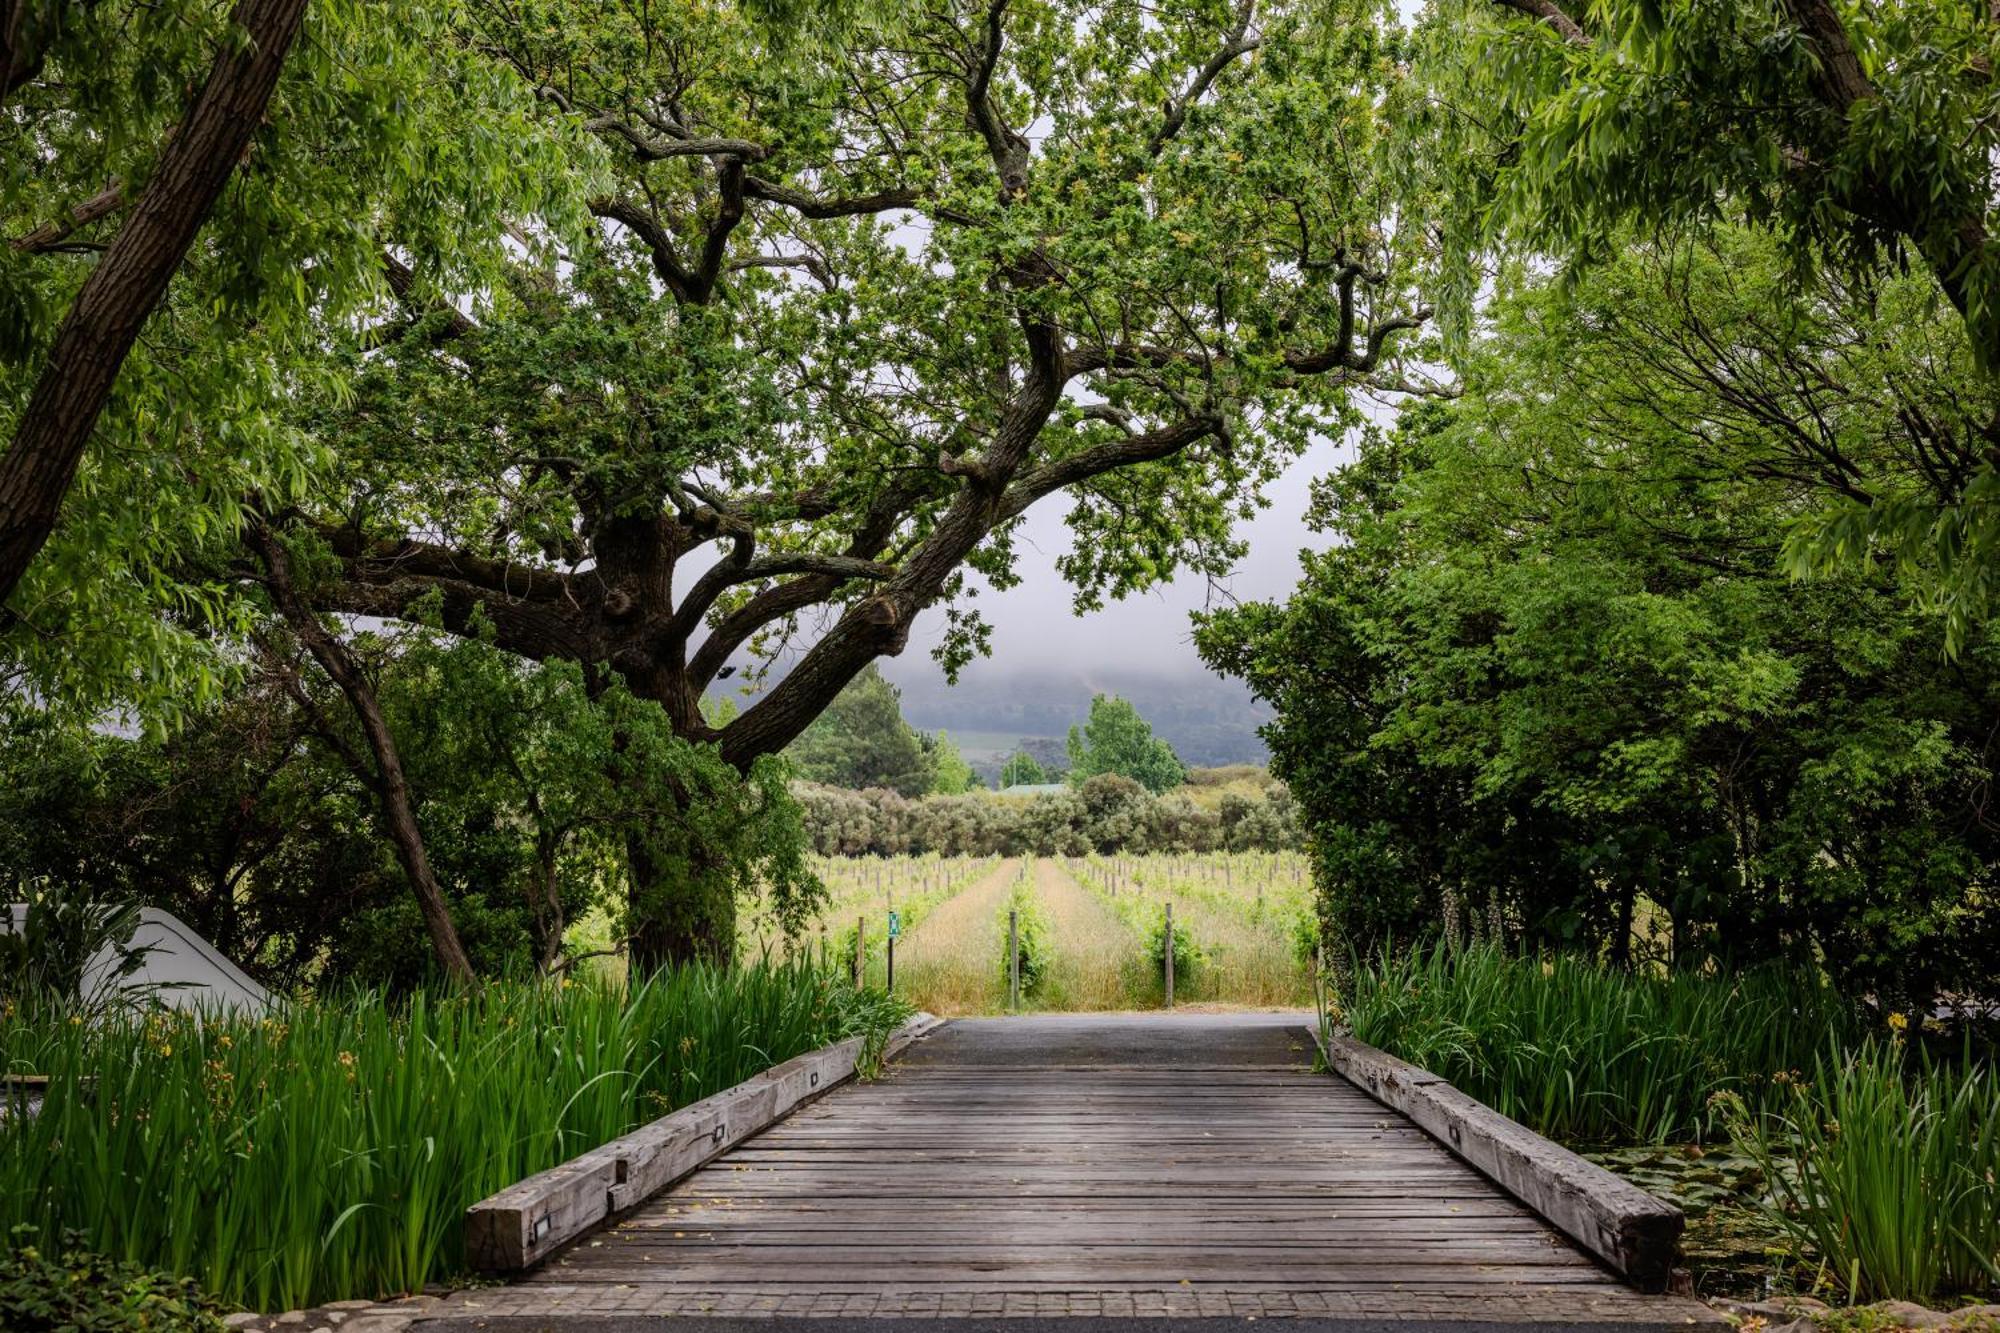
(1033,626)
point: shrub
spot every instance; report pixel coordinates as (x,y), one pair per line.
(1032,924)
(1886,1171)
(1107,814)
(81,1292)
(62,931)
(330,1151)
(1586,1053)
(1187,955)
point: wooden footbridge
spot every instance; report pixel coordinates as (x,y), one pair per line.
(1065,1167)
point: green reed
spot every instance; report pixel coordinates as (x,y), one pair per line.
(1589,1054)
(1886,1168)
(330,1151)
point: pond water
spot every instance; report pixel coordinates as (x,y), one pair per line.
(1734,1248)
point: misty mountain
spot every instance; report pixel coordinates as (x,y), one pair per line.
(1208,720)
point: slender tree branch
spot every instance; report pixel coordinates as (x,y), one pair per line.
(1127,451)
(649,149)
(808,263)
(1550,13)
(402,281)
(1008,150)
(659,242)
(50,235)
(726,574)
(815,206)
(1238,42)
(388,560)
(386,776)
(715,246)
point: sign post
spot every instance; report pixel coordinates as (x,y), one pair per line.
(895,929)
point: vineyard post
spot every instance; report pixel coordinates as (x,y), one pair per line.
(860,935)
(1170,953)
(1013,958)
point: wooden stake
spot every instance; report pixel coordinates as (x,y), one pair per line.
(1013,958)
(1170,955)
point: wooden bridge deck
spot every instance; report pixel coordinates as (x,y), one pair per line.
(1061,1167)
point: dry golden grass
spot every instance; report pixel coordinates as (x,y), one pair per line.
(1095,958)
(1241,910)
(950,963)
(861,892)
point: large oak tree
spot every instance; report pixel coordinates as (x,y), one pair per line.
(861,294)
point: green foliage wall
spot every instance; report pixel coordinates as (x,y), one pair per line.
(534,796)
(1108,814)
(1856,138)
(388,130)
(1556,671)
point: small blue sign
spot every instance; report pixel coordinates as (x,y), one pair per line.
(895,925)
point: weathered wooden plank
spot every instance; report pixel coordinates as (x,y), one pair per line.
(928,1228)
(1637,1235)
(1458,1291)
(736,1271)
(611,1243)
(528,1221)
(1290,1215)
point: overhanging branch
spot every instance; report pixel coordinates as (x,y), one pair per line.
(1238,42)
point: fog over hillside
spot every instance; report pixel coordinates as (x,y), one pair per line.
(1047,661)
(1206,719)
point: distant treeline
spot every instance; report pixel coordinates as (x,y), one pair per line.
(1106,813)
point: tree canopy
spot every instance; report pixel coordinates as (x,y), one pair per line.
(843,321)
(954,774)
(666,344)
(861,740)
(1555,668)
(1115,739)
(1862,137)
(417,413)
(1021,770)
(384,150)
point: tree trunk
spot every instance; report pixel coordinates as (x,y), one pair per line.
(677,915)
(1621,942)
(131,279)
(391,788)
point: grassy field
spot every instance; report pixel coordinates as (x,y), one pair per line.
(1092,925)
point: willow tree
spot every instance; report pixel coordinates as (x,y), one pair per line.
(1865,135)
(195,200)
(854,304)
